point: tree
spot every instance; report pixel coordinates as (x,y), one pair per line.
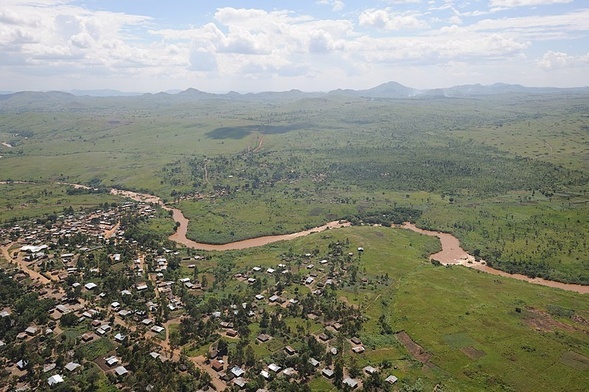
(338,372)
(250,358)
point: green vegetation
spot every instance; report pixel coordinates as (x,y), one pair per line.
(507,175)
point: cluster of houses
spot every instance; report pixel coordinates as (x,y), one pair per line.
(109,316)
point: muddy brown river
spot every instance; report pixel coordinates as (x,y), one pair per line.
(451,253)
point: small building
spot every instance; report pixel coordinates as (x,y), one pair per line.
(90,286)
(31,331)
(87,337)
(54,380)
(154,355)
(350,382)
(274,367)
(119,337)
(71,366)
(369,370)
(358,349)
(327,373)
(237,371)
(274,298)
(217,365)
(289,350)
(314,362)
(263,337)
(121,371)
(111,361)
(240,382)
(391,379)
(158,329)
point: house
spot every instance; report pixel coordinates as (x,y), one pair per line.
(391,379)
(356,341)
(115,305)
(54,380)
(154,355)
(270,270)
(289,350)
(119,337)
(22,364)
(231,333)
(323,337)
(358,349)
(288,371)
(121,371)
(328,373)
(314,362)
(217,365)
(350,382)
(111,361)
(369,369)
(157,329)
(31,331)
(141,287)
(146,321)
(274,367)
(240,382)
(333,351)
(274,298)
(237,371)
(49,367)
(265,374)
(71,366)
(87,337)
(263,337)
(62,309)
(259,297)
(337,326)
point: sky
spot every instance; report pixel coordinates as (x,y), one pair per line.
(310,45)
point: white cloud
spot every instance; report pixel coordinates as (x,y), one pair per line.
(336,5)
(384,19)
(557,60)
(525,3)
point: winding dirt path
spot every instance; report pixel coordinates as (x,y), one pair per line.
(260,143)
(453,254)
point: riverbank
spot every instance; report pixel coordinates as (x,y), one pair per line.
(453,254)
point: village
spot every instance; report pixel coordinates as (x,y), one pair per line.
(94,306)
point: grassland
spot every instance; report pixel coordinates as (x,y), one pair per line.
(507,175)
(479,331)
(241,169)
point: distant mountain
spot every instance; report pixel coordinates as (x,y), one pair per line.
(390,90)
(103,93)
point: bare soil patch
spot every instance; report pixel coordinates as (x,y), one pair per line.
(542,321)
(473,353)
(575,360)
(414,349)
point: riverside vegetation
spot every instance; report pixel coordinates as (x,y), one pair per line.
(506,174)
